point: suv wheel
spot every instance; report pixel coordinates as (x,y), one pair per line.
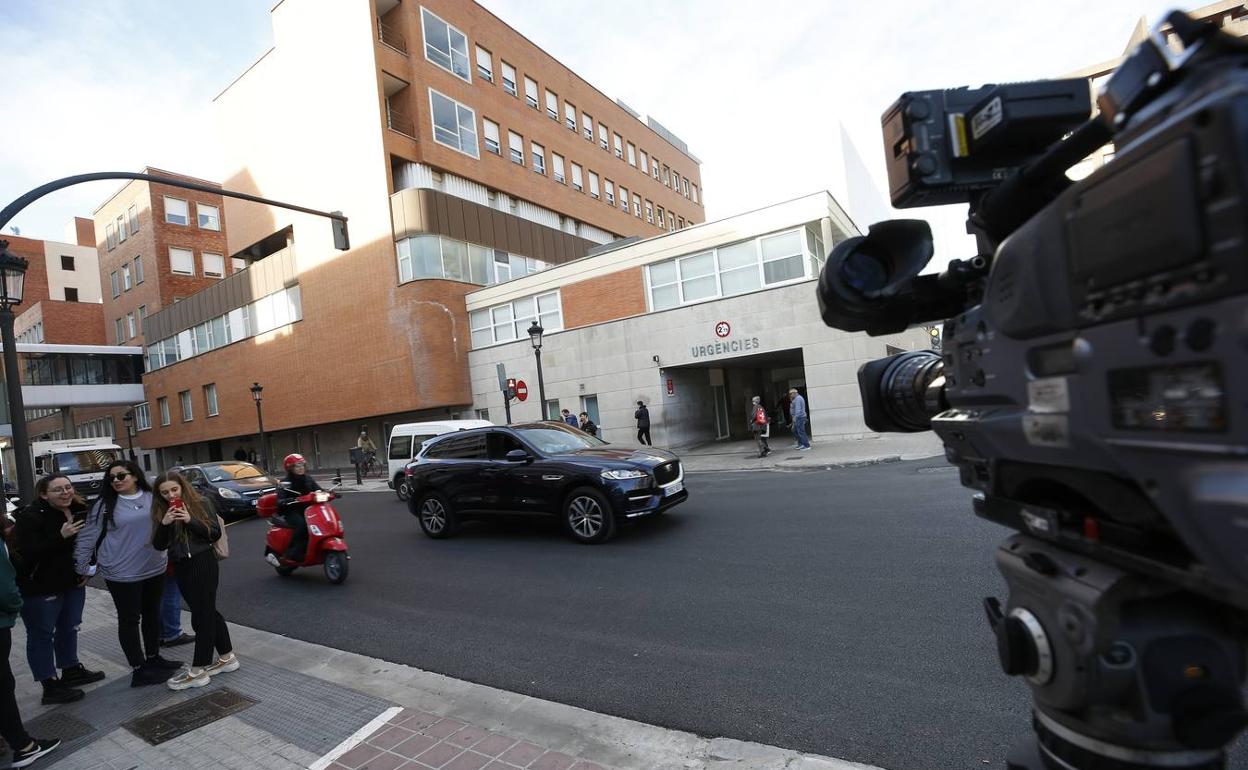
(437,520)
(587,516)
(400,486)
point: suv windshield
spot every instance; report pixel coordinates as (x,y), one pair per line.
(88,461)
(231,471)
(557,439)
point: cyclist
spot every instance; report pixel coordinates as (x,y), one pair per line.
(367,447)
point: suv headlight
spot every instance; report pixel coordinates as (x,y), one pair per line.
(621,474)
(229,494)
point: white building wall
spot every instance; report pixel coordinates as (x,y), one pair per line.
(85,277)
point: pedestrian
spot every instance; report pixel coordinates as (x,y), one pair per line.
(642,415)
(240,454)
(252,457)
(185,526)
(171,633)
(797,411)
(588,425)
(117,539)
(760,425)
(569,418)
(25,748)
(53,595)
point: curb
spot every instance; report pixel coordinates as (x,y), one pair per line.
(803,468)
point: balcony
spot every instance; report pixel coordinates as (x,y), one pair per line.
(397,121)
(391,36)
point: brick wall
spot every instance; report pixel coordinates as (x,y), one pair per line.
(605,298)
(36,284)
(65,323)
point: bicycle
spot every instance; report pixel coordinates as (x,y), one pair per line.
(373,466)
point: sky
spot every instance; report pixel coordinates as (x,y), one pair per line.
(759,92)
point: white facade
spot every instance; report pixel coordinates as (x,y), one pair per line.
(83,278)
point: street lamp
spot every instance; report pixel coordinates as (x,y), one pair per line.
(12,279)
(128,419)
(255,393)
(535,337)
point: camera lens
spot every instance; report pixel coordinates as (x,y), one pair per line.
(904,389)
(864,272)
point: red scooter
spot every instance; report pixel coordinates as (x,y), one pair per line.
(325,542)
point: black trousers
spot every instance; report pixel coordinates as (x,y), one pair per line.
(11,727)
(138,606)
(197,579)
(643,436)
(298,548)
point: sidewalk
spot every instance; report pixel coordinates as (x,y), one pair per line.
(294,704)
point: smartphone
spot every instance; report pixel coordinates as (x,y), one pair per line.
(80,516)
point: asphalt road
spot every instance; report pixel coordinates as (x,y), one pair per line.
(835,612)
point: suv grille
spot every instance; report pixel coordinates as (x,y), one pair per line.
(667,472)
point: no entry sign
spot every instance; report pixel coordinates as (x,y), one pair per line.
(522,390)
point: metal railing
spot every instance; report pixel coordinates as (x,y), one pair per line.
(397,121)
(391,37)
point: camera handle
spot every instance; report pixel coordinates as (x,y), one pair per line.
(1125,672)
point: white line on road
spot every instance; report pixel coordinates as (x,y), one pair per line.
(356,738)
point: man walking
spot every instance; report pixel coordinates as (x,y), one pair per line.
(760,425)
(801,420)
(642,416)
(569,418)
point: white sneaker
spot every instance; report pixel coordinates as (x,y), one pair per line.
(272,559)
(221,666)
(185,680)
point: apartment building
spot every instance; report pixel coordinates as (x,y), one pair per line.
(463,155)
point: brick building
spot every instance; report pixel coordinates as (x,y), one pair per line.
(462,154)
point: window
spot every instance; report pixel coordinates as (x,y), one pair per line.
(445,46)
(214,265)
(515,143)
(739,268)
(181,261)
(432,256)
(610,191)
(539,157)
(110,236)
(119,330)
(67,263)
(133,214)
(578,183)
(237,263)
(142,417)
(491,136)
(632,154)
(593,185)
(142,317)
(71,294)
(485,64)
(636,205)
(667,177)
(130,327)
(163,403)
(115,284)
(176,212)
(671,221)
(210,398)
(552,408)
(209,216)
(619,146)
(126,282)
(693,191)
(454,125)
(684,186)
(658,210)
(654,169)
(587,126)
(602,136)
(509,78)
(484,414)
(138,270)
(185,397)
(782,257)
(649,212)
(589,405)
(121,228)
(569,116)
(511,320)
(645,162)
(530,92)
(624,198)
(675,181)
(556,161)
(552,105)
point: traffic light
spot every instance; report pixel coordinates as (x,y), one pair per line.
(342,241)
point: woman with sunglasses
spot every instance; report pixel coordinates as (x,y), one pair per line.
(184,524)
(118,538)
(52,593)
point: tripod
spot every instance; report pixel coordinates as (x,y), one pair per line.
(1126,672)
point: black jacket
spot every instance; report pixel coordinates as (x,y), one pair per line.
(289,492)
(184,540)
(643,417)
(43,559)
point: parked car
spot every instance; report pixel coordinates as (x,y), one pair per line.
(232,486)
(545,469)
(406,440)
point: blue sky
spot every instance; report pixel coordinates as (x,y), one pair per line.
(96,85)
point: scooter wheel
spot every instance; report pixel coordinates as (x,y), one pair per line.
(336,567)
(284,571)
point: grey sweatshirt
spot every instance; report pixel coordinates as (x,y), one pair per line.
(126,554)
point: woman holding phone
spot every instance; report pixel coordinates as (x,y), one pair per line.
(186,526)
(117,538)
(52,593)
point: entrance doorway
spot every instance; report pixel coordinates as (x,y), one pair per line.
(713,399)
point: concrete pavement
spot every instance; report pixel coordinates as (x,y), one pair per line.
(305,705)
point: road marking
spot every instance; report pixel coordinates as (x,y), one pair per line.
(358,737)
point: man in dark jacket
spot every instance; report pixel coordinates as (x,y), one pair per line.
(25,748)
(643,423)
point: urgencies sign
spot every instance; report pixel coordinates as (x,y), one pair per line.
(725,348)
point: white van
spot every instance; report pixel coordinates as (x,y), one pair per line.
(406,440)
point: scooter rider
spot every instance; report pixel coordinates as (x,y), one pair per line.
(298,483)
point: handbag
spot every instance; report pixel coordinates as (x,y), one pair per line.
(760,416)
(222,547)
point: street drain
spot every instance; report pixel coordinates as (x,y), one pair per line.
(167,724)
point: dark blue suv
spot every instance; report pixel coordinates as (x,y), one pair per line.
(542,468)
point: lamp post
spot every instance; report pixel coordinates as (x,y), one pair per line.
(255,393)
(12,279)
(535,337)
(128,419)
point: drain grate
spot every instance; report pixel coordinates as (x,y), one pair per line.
(61,725)
(167,724)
